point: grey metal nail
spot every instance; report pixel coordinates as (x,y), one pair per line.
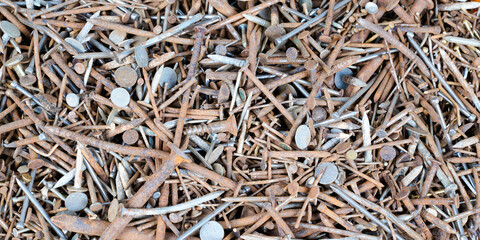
(76,201)
(339,83)
(202,222)
(82,35)
(227,60)
(26,202)
(212,230)
(363,210)
(140,212)
(97,181)
(307,24)
(353,99)
(141,56)
(471,117)
(40,209)
(29,69)
(10,32)
(16,65)
(302,136)
(333,120)
(330,174)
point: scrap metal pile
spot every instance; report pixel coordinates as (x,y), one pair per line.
(247,119)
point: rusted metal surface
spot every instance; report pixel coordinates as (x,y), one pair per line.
(239,119)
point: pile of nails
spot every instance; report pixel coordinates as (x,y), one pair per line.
(249,119)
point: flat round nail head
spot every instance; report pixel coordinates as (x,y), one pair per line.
(169,76)
(351,155)
(79,68)
(10,29)
(216,153)
(381,133)
(117,36)
(221,50)
(330,174)
(72,100)
(212,230)
(14,61)
(125,76)
(388,153)
(311,65)
(275,31)
(130,136)
(76,44)
(28,80)
(96,206)
(120,97)
(371,7)
(156,195)
(76,201)
(141,56)
(319,114)
(302,136)
(339,83)
(292,54)
(112,210)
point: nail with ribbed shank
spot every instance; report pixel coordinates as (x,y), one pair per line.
(229,125)
(146,191)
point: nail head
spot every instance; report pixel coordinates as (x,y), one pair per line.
(76,45)
(169,76)
(141,56)
(117,36)
(28,80)
(212,230)
(339,83)
(130,136)
(76,201)
(302,136)
(10,29)
(371,7)
(388,153)
(72,100)
(120,97)
(125,76)
(330,174)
